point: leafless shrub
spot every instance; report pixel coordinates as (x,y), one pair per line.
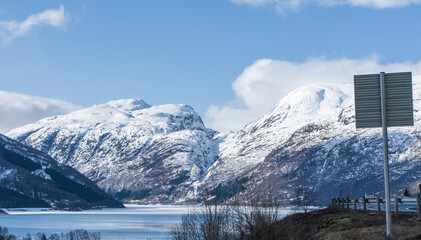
(4,234)
(210,221)
(304,198)
(188,229)
(78,234)
(27,237)
(242,219)
(254,218)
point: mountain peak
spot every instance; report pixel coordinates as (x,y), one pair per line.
(127,104)
(312,102)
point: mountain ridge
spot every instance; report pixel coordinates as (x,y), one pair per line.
(125,145)
(300,143)
(316,152)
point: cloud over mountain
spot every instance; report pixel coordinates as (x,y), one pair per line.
(19,109)
(266,81)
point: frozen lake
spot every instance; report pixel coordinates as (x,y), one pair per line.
(133,222)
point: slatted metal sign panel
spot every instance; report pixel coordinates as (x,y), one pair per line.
(367,101)
(399,108)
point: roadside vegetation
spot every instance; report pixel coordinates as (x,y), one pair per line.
(242,219)
(226,222)
(78,234)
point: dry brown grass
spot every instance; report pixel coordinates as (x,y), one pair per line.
(375,232)
(337,224)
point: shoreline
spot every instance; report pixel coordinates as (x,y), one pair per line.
(129,209)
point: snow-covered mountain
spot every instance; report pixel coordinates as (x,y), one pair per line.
(128,147)
(250,146)
(310,140)
(165,154)
(31,178)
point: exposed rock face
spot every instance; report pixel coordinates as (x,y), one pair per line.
(31,178)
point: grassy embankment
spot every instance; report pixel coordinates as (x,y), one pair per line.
(332,223)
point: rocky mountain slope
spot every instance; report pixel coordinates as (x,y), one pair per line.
(309,140)
(128,147)
(30,178)
(165,154)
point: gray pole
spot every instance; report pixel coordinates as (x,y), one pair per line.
(386,157)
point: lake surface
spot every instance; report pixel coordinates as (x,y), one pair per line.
(133,222)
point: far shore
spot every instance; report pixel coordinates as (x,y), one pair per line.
(104,210)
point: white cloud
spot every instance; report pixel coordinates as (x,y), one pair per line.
(266,81)
(382,3)
(284,6)
(10,30)
(254,3)
(19,109)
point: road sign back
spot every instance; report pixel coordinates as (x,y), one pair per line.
(399,107)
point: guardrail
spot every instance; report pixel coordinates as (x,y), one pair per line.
(364,201)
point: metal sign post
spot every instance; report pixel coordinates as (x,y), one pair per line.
(384,100)
(385,156)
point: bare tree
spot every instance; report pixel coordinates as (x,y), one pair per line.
(210,221)
(304,197)
(245,218)
(27,237)
(188,229)
(254,218)
(4,234)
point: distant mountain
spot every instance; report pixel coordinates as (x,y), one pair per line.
(309,140)
(128,147)
(164,154)
(30,178)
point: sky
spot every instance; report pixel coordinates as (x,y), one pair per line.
(231,60)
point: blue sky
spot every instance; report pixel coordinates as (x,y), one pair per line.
(197,52)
